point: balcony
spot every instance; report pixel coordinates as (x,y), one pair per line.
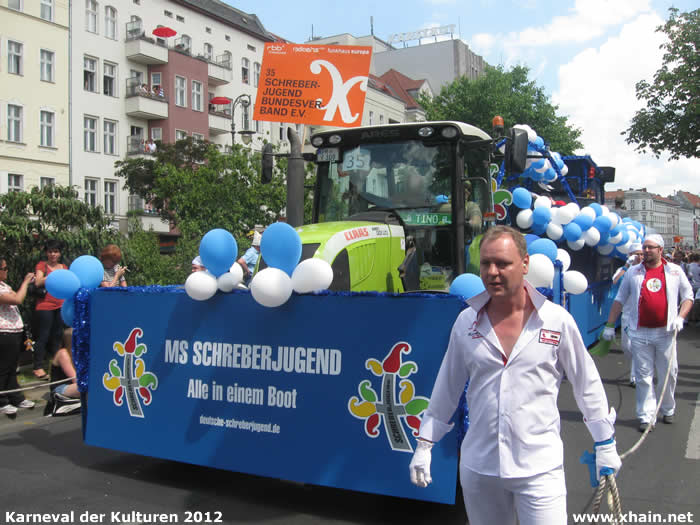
(219,122)
(141,49)
(145,102)
(137,145)
(220,71)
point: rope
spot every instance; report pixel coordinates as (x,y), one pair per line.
(608,483)
(32,386)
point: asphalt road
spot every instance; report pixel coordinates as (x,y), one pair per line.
(46,468)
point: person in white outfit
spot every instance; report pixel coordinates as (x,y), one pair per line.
(635,257)
(653,290)
(514,347)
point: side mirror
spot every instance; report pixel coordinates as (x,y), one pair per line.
(607,174)
(267,163)
(516,150)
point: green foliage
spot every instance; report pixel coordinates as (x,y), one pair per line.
(669,122)
(509,94)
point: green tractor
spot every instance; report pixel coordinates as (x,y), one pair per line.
(396,207)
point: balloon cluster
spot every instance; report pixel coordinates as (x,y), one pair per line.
(280,247)
(541,165)
(543,254)
(85,272)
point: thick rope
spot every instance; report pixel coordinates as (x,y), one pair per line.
(32,386)
(608,482)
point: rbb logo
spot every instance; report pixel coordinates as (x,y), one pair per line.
(357,233)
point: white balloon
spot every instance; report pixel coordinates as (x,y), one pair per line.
(201,286)
(564,170)
(554,231)
(524,219)
(541,271)
(575,282)
(543,202)
(237,271)
(614,219)
(531,135)
(591,236)
(226,282)
(566,214)
(545,167)
(565,258)
(575,207)
(576,245)
(588,211)
(606,210)
(605,249)
(615,239)
(624,248)
(312,275)
(271,287)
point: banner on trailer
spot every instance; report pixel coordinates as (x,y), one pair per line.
(325,389)
(316,85)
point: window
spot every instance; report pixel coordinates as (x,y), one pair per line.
(110,137)
(631,205)
(644,204)
(167,13)
(157,133)
(109,79)
(281,131)
(46,10)
(256,74)
(245,66)
(46,126)
(15,182)
(91,192)
(198,137)
(196,95)
(245,118)
(228,38)
(180,18)
(110,197)
(226,61)
(137,76)
(180,97)
(371,118)
(208,30)
(15,4)
(14,57)
(91,16)
(111,22)
(14,123)
(381,119)
(208,51)
(155,79)
(258,125)
(46,65)
(46,181)
(90,74)
(251,48)
(179,134)
(90,134)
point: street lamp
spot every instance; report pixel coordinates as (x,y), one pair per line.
(243,100)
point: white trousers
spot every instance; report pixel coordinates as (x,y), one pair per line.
(626,345)
(652,349)
(535,500)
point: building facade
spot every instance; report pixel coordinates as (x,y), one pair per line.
(34,103)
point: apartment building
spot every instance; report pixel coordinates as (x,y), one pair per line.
(34,109)
(132,82)
(654,211)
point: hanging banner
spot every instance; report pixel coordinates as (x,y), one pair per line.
(328,390)
(316,85)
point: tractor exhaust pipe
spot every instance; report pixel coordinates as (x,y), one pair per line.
(295,181)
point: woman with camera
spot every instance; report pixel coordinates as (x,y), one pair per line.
(48,324)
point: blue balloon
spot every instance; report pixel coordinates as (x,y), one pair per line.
(442,199)
(598,209)
(467,285)
(68,311)
(602,223)
(584,221)
(539,142)
(603,238)
(543,246)
(625,238)
(541,215)
(89,270)
(539,229)
(626,219)
(522,198)
(218,250)
(62,284)
(280,247)
(530,238)
(572,232)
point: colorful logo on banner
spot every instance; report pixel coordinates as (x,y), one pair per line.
(317,85)
(134,381)
(388,409)
(501,198)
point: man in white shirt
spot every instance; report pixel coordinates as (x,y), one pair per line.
(514,347)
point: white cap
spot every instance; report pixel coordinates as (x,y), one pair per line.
(635,247)
(256,239)
(198,261)
(656,239)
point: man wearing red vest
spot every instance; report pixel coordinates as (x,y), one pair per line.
(656,286)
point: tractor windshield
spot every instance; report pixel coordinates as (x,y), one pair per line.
(405,175)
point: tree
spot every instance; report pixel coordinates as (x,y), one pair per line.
(509,94)
(670,121)
(197,188)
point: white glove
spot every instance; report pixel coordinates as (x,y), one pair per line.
(606,457)
(420,464)
(677,324)
(631,260)
(609,333)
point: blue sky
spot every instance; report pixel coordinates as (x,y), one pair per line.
(587,54)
